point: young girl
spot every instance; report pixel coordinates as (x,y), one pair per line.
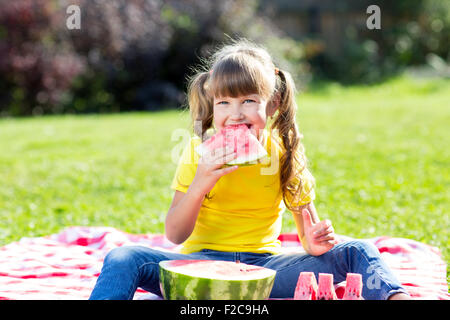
(234,213)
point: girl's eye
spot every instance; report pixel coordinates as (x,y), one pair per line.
(245,101)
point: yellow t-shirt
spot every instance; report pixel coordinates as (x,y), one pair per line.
(245,211)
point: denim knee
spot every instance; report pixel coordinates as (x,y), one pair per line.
(126,257)
(364,248)
(379,281)
(355,252)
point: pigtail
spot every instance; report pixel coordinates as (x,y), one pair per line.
(200,104)
(293,161)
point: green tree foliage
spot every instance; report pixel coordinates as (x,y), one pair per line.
(136,54)
(128,55)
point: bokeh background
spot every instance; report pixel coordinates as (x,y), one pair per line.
(135,55)
(87,116)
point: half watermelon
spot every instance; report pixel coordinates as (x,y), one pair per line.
(238,137)
(214,280)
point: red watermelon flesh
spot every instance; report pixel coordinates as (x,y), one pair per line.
(240,139)
(217,269)
(306,287)
(353,287)
(326,287)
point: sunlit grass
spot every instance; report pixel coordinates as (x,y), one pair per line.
(379,154)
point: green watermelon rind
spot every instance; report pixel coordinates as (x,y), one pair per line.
(177,286)
(262,159)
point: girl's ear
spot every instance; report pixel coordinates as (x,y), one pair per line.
(273,104)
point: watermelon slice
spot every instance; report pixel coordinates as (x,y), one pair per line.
(306,287)
(238,137)
(353,287)
(326,287)
(214,280)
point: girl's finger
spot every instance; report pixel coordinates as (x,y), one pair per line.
(326,237)
(328,242)
(224,171)
(229,156)
(221,151)
(323,231)
(225,159)
(322,225)
(221,156)
(307,220)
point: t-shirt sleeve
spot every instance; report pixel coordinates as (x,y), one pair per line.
(187,166)
(307,193)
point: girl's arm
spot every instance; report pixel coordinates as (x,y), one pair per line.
(317,236)
(182,215)
(180,220)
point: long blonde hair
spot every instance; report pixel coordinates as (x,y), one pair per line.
(242,68)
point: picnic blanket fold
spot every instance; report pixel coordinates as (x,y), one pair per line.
(66,265)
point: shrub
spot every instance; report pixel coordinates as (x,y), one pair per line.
(37,69)
(411,30)
(128,55)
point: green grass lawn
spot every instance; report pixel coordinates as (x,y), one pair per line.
(380,155)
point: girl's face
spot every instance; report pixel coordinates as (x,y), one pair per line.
(249,109)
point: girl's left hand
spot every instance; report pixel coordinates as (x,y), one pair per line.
(319,237)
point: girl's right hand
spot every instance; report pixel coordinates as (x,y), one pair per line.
(209,169)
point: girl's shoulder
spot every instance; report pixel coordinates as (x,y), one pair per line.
(195,140)
(188,155)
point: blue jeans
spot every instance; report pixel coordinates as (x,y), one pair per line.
(129,267)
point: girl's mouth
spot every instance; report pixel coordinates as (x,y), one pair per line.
(250,126)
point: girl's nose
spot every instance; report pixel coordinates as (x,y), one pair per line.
(236,112)
(237,116)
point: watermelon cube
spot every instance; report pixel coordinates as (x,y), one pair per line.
(306,287)
(353,287)
(326,287)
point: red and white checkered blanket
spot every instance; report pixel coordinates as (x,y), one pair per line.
(66,265)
